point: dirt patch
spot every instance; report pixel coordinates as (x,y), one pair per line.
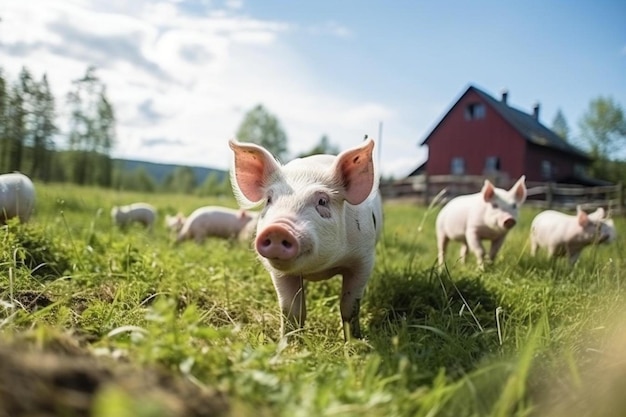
(32,300)
(71,382)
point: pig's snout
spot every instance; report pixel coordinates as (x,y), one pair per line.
(509,223)
(277,242)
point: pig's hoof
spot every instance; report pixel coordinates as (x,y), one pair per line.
(351,331)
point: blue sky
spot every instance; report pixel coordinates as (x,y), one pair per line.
(182,74)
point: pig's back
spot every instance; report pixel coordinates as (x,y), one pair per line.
(215,221)
(143,209)
(551,226)
(17,195)
(452,219)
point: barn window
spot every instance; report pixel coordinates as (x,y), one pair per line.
(547,170)
(457,167)
(475,111)
(492,164)
(580,170)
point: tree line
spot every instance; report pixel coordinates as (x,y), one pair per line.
(29,133)
(603,134)
(32,142)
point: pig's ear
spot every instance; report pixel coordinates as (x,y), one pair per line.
(252,167)
(582,216)
(354,169)
(488,191)
(519,190)
(599,214)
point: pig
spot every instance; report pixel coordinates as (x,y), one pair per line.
(215,221)
(142,213)
(175,223)
(247,233)
(321,216)
(486,215)
(17,197)
(567,235)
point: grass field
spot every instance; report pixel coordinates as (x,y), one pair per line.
(95,321)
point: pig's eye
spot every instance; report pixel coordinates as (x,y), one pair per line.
(514,206)
(494,205)
(269,199)
(322,207)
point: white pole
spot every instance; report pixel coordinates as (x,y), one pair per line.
(380,140)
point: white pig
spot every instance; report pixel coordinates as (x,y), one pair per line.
(134,213)
(175,223)
(487,215)
(567,235)
(321,217)
(215,221)
(17,197)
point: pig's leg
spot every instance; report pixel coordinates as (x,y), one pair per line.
(463,252)
(533,246)
(352,290)
(476,246)
(442,243)
(495,247)
(573,257)
(290,291)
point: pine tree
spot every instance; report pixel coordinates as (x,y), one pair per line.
(4,146)
(92,131)
(43,130)
(16,121)
(559,125)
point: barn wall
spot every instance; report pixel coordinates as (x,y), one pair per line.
(563,164)
(475,140)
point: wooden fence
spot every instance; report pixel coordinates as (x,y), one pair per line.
(424,189)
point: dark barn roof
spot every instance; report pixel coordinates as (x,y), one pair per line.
(526,125)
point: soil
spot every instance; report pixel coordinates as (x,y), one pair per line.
(64,379)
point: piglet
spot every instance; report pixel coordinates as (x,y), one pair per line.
(215,221)
(175,223)
(472,218)
(17,197)
(142,213)
(567,235)
(321,217)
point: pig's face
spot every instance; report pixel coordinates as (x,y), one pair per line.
(502,207)
(610,230)
(115,213)
(246,216)
(595,227)
(302,224)
(175,223)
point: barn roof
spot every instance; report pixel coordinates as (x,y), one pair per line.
(526,125)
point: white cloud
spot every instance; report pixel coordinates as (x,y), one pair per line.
(331,28)
(198,72)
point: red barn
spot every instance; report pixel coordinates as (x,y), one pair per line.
(481,135)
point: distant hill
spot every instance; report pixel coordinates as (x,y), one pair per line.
(160,171)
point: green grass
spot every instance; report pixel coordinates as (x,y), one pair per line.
(525,337)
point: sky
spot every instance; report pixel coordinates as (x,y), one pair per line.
(182,74)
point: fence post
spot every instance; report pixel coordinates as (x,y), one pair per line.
(620,197)
(426,189)
(549,194)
